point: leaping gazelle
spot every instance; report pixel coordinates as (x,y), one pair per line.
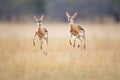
(75,30)
(41,32)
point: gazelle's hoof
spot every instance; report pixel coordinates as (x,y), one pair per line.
(45,53)
(34,44)
(73,45)
(84,47)
(78,45)
(70,43)
(40,47)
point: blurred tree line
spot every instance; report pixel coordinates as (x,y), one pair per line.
(87,9)
(10,9)
(55,9)
(116,9)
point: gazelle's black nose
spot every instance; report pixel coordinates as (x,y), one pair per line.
(69,21)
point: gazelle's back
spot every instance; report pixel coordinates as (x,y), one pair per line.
(75,29)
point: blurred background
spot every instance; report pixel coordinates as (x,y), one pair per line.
(92,10)
(21,60)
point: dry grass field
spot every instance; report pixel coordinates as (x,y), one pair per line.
(20,60)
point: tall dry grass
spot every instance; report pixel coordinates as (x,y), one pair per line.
(20,60)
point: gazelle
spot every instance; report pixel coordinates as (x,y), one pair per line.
(41,32)
(75,30)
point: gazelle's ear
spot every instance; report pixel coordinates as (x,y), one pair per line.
(75,14)
(67,14)
(42,17)
(35,18)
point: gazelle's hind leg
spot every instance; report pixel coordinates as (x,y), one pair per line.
(45,51)
(75,41)
(41,42)
(84,42)
(45,44)
(80,37)
(46,38)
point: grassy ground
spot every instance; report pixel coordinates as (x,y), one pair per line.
(20,60)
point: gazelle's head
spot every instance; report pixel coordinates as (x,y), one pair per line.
(71,18)
(38,21)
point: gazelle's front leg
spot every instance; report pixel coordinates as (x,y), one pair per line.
(70,40)
(34,39)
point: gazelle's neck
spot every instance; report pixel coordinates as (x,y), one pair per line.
(71,23)
(40,25)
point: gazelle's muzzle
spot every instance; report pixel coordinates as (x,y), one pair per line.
(39,24)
